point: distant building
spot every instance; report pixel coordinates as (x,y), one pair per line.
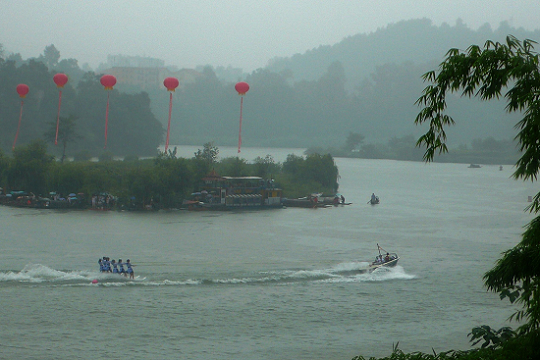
(134,61)
(145,73)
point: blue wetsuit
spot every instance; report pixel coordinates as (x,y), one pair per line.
(115,268)
(129,268)
(121,266)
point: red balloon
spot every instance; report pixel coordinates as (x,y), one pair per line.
(60,80)
(171,83)
(22,90)
(242,88)
(108,81)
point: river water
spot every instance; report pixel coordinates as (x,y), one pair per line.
(271,284)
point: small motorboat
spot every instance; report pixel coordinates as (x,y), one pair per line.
(384,259)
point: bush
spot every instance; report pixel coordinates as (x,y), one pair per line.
(106,156)
(131,158)
(83,155)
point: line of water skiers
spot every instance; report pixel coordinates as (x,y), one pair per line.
(108,265)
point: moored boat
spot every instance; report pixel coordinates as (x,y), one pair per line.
(234,193)
(316,200)
(305,202)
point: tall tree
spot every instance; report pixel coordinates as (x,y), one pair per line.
(209,154)
(353,141)
(233,166)
(16,58)
(4,163)
(51,55)
(66,133)
(485,73)
(29,167)
(266,167)
(71,68)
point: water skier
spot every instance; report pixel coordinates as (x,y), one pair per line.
(121,266)
(130,269)
(107,265)
(115,267)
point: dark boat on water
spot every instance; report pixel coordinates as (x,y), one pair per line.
(374,200)
(316,200)
(303,202)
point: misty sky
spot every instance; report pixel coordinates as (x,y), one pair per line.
(240,33)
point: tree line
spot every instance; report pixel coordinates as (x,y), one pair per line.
(165,180)
(132,129)
(365,84)
(481,151)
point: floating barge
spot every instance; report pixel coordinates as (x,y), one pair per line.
(229,193)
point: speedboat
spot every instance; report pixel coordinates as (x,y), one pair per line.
(388,260)
(384,259)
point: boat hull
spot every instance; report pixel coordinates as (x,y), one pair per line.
(389,264)
(303,203)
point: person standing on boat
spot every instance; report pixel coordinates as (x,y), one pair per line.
(130,269)
(373,198)
(387,257)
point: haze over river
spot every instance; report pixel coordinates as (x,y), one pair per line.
(272,284)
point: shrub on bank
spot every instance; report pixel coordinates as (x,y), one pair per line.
(522,347)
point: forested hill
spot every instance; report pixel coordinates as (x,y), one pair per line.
(418,41)
(367,84)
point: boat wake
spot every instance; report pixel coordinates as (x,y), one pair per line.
(349,272)
(38,274)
